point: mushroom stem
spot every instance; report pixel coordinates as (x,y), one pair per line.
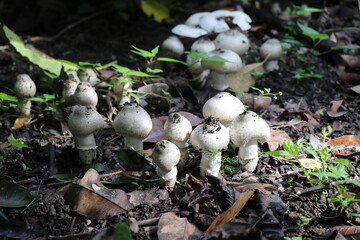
(248,155)
(134,144)
(271,65)
(210,163)
(87,148)
(184,154)
(167,178)
(26,107)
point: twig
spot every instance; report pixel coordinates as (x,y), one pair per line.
(311,189)
(149,221)
(67,28)
(75,235)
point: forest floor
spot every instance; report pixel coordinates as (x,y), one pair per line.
(317,93)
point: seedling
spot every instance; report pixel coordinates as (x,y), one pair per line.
(20,142)
(304,221)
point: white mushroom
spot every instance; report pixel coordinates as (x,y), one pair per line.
(201,45)
(223,106)
(210,138)
(173,47)
(88,75)
(246,130)
(271,47)
(188,31)
(86,95)
(233,40)
(134,124)
(178,128)
(121,89)
(69,88)
(166,156)
(24,88)
(83,122)
(194,19)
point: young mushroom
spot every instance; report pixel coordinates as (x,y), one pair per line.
(273,48)
(83,122)
(210,138)
(166,156)
(86,95)
(88,75)
(173,47)
(223,106)
(234,40)
(178,128)
(24,88)
(134,124)
(246,130)
(69,88)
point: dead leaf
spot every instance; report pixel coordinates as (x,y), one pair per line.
(21,121)
(264,188)
(276,139)
(172,227)
(351,60)
(254,103)
(350,232)
(356,89)
(242,80)
(348,77)
(333,111)
(157,132)
(231,212)
(350,145)
(310,163)
(151,196)
(89,197)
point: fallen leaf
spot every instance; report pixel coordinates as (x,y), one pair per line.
(276,139)
(14,195)
(356,89)
(152,196)
(231,212)
(89,197)
(310,163)
(21,121)
(172,227)
(349,145)
(350,232)
(155,9)
(348,77)
(242,80)
(255,103)
(333,111)
(351,60)
(264,188)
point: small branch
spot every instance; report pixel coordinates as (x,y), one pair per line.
(311,189)
(75,235)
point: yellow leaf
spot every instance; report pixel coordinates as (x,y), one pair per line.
(155,9)
(21,121)
(310,163)
(243,80)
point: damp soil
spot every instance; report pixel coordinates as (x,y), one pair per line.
(301,111)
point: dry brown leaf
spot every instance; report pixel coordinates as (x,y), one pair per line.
(21,121)
(264,188)
(333,111)
(89,197)
(231,212)
(348,77)
(255,104)
(276,139)
(151,197)
(157,131)
(350,145)
(351,60)
(350,232)
(356,89)
(243,80)
(310,163)
(173,227)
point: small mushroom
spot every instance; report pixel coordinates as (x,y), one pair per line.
(188,31)
(234,40)
(69,88)
(88,75)
(178,128)
(85,95)
(194,19)
(166,156)
(24,88)
(246,130)
(273,48)
(83,122)
(223,106)
(210,138)
(173,47)
(121,90)
(134,124)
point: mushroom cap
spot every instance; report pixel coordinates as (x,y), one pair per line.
(88,75)
(203,45)
(234,40)
(248,125)
(188,31)
(166,155)
(194,19)
(194,65)
(84,121)
(24,87)
(273,47)
(223,106)
(133,120)
(210,136)
(173,44)
(232,65)
(69,88)
(85,95)
(177,127)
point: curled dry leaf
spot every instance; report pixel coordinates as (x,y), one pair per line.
(348,77)
(346,145)
(89,197)
(356,89)
(173,227)
(333,111)
(276,139)
(243,79)
(21,121)
(353,232)
(351,60)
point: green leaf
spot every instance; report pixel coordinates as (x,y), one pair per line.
(216,59)
(32,55)
(324,174)
(100,167)
(5,97)
(164,59)
(349,46)
(312,33)
(357,183)
(278,153)
(15,143)
(14,195)
(63,177)
(312,151)
(342,161)
(156,70)
(143,52)
(139,74)
(155,50)
(339,170)
(155,9)
(122,232)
